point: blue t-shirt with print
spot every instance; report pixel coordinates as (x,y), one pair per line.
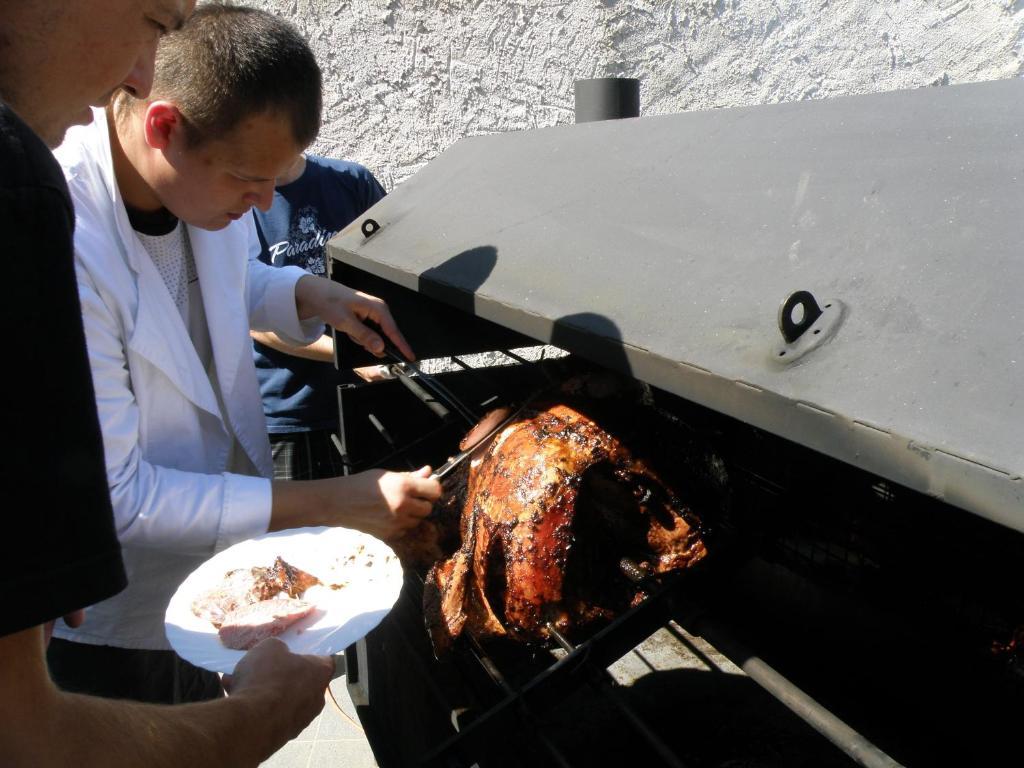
(298,394)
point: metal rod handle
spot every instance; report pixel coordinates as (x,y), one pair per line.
(855,745)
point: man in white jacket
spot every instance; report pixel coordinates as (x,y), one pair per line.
(170,287)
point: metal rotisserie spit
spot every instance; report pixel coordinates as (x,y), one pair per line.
(809,318)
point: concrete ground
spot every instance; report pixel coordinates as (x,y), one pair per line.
(330,740)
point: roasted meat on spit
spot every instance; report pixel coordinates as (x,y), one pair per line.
(545,514)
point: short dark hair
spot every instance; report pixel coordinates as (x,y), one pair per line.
(227,63)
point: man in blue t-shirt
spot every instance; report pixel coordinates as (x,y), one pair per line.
(318,198)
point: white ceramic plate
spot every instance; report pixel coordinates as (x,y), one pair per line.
(369,569)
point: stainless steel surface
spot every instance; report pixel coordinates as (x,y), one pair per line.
(662,246)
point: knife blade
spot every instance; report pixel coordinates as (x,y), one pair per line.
(446,468)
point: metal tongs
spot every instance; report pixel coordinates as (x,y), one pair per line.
(403,366)
(461,456)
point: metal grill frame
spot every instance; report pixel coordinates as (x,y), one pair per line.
(850,550)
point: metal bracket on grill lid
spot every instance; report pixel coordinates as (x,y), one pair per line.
(805,325)
(369,228)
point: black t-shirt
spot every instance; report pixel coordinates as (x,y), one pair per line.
(60,550)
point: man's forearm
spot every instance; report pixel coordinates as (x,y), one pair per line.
(234,731)
(322,349)
(44,727)
(350,312)
(297,504)
(383,504)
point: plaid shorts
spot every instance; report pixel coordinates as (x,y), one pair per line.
(305,455)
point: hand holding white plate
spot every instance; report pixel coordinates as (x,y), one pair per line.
(367,569)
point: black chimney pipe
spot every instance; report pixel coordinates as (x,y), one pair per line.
(606,98)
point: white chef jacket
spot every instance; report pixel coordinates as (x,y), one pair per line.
(166,437)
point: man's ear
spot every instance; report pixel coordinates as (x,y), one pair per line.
(162,124)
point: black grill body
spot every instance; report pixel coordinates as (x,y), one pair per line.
(879,602)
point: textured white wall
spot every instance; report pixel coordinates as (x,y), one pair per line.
(404,80)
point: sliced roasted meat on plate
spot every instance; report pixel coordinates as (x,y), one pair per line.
(246,586)
(247,625)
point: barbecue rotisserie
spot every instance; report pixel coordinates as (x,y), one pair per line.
(545,514)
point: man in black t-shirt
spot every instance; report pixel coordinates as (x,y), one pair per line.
(57,58)
(65,552)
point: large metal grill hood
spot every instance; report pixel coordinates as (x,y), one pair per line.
(664,247)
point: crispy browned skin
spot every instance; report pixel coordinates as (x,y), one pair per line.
(292,580)
(550,508)
(280,577)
